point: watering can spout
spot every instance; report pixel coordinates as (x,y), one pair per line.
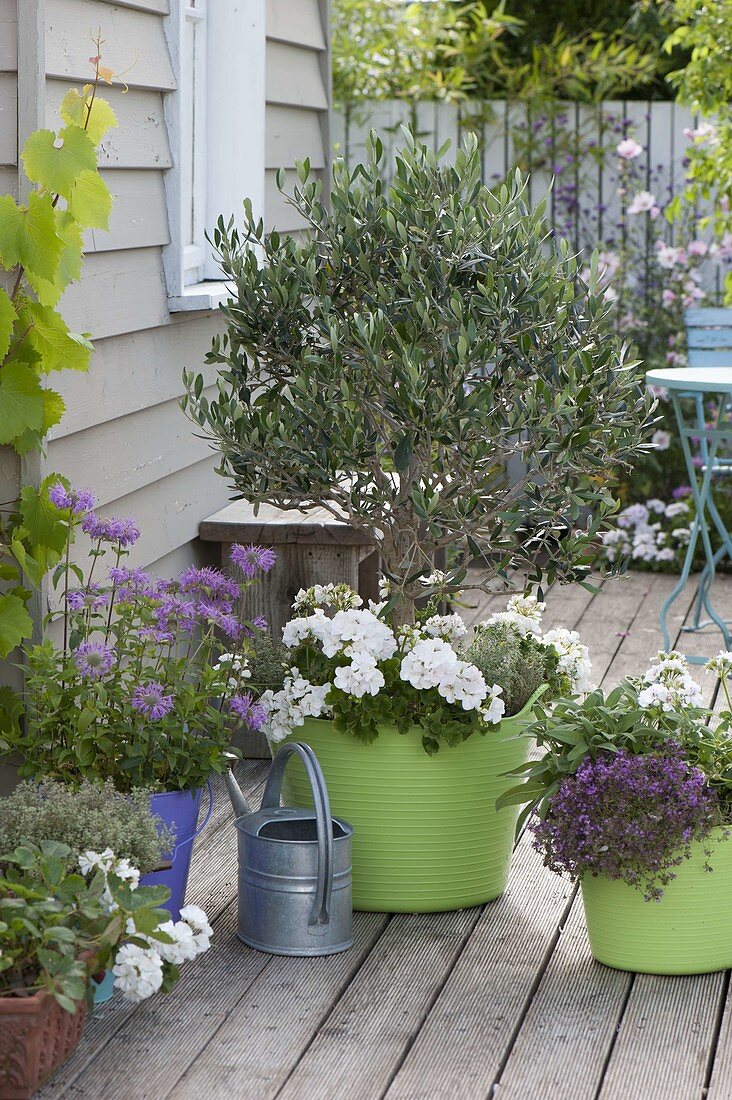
(238,801)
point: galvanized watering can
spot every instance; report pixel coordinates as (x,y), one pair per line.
(294,867)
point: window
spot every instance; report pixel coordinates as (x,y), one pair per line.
(216,126)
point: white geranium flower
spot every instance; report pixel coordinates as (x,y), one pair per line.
(358,631)
(661,440)
(465,685)
(361,677)
(138,972)
(450,628)
(126,871)
(496,708)
(523,613)
(628,149)
(182,949)
(656,505)
(288,708)
(677,508)
(430,663)
(669,684)
(197,919)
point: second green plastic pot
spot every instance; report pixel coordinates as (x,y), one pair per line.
(686,932)
(427,835)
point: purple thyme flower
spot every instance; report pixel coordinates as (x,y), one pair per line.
(151,700)
(123,531)
(627,817)
(251,713)
(78,500)
(79,599)
(681,492)
(252,559)
(93,659)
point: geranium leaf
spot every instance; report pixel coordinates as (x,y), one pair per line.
(56,161)
(21,401)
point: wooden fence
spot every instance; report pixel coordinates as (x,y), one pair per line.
(583,204)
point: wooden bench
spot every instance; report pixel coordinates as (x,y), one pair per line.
(312,548)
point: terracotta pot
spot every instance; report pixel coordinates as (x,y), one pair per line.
(36,1037)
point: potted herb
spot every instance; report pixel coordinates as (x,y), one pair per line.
(633,799)
(415,735)
(60,920)
(149,678)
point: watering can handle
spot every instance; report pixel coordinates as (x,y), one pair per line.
(323,820)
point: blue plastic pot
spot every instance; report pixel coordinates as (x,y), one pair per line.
(179,811)
(104,989)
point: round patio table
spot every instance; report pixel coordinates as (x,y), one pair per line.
(702,401)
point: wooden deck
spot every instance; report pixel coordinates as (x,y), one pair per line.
(502,1001)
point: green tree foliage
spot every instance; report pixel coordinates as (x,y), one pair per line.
(41,252)
(392,365)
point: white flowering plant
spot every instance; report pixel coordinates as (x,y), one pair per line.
(654,534)
(347,662)
(64,918)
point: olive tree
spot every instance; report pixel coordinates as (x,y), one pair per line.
(392,364)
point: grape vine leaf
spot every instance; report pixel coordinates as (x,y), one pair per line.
(43,523)
(28,235)
(49,335)
(8,317)
(55,161)
(69,269)
(90,201)
(15,623)
(21,401)
(87,110)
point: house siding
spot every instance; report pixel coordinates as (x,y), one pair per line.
(298,94)
(123,434)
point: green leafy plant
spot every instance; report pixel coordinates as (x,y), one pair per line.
(390,367)
(91,816)
(57,926)
(41,252)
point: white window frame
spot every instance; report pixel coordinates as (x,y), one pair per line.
(215,124)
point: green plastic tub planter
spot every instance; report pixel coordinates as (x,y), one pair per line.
(427,836)
(687,932)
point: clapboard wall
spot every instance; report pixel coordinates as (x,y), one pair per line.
(298,93)
(123,433)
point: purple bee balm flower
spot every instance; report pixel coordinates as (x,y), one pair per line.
(253,559)
(222,618)
(78,500)
(210,583)
(92,598)
(123,531)
(250,712)
(93,659)
(151,700)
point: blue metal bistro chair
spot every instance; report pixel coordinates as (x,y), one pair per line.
(707,379)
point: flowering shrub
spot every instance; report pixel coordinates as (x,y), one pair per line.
(61,921)
(351,666)
(151,673)
(655,534)
(631,780)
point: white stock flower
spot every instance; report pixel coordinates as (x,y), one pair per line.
(450,628)
(138,972)
(721,665)
(656,505)
(574,658)
(669,684)
(677,508)
(361,677)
